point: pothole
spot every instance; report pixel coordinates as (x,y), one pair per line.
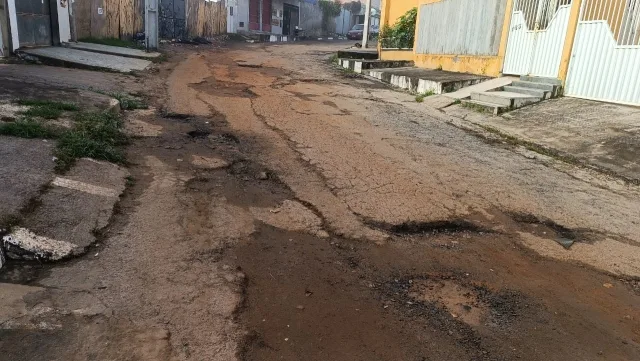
(224,89)
(410,228)
(226,138)
(461,301)
(451,298)
(199,133)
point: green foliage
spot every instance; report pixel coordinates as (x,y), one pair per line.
(420,97)
(402,33)
(27,128)
(94,135)
(46,109)
(330,9)
(48,103)
(128,102)
(354,7)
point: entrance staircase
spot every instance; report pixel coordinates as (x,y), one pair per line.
(527,90)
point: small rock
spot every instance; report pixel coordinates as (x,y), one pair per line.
(263,176)
(286,339)
(229,278)
(300,307)
(607,285)
(226,267)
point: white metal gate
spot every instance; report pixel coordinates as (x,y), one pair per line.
(536,37)
(605,61)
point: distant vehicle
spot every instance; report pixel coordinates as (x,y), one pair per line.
(356,32)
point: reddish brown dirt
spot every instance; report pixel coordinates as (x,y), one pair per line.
(312,227)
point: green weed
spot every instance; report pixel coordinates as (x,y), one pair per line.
(46,109)
(128,102)
(94,135)
(420,97)
(28,128)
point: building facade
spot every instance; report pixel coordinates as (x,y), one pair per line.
(592,46)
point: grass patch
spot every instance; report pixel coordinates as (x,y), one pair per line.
(113,42)
(46,109)
(334,58)
(420,97)
(28,128)
(48,103)
(128,102)
(94,135)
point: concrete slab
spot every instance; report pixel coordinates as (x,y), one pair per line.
(505,99)
(605,136)
(26,165)
(13,89)
(114,50)
(488,85)
(61,56)
(77,205)
(422,80)
(48,76)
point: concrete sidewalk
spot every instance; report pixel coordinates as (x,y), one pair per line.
(601,135)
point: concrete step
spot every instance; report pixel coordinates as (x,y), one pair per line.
(506,99)
(421,80)
(532,85)
(491,84)
(487,107)
(114,50)
(364,64)
(543,94)
(358,54)
(540,79)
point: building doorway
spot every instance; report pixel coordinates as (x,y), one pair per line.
(290,19)
(35,26)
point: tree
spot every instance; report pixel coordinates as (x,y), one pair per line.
(354,7)
(330,9)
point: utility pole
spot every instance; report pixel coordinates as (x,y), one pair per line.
(367,21)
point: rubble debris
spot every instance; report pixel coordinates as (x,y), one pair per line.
(22,244)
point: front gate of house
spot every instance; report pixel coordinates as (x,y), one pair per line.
(536,37)
(605,60)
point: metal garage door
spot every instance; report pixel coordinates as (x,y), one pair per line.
(255,14)
(536,37)
(173,19)
(34,22)
(605,61)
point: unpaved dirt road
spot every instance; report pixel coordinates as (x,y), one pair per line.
(284,210)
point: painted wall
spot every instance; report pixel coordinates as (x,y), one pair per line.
(475,32)
(460,27)
(397,54)
(344,22)
(242,15)
(311,19)
(63,21)
(391,10)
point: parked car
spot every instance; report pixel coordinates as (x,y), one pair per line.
(356,32)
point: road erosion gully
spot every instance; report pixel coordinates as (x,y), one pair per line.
(289,211)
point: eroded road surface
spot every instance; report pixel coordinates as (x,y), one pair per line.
(284,210)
